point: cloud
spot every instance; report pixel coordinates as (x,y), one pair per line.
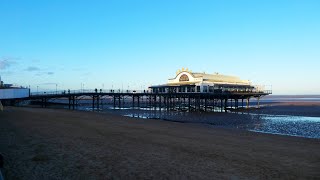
(6,62)
(44,73)
(32,68)
(49,83)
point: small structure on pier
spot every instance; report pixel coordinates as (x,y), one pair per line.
(187,81)
(9,91)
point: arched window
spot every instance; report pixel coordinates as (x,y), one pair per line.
(184,78)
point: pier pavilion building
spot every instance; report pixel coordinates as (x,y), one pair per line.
(187,81)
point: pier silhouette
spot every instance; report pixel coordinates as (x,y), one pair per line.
(190,101)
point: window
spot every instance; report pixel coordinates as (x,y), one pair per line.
(210,88)
(184,77)
(205,89)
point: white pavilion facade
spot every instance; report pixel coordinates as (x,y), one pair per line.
(187,81)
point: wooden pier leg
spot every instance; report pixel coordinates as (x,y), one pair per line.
(258,102)
(189,104)
(119,101)
(114,101)
(172,103)
(242,102)
(101,102)
(69,102)
(225,105)
(132,102)
(98,102)
(236,103)
(205,104)
(175,102)
(139,102)
(73,102)
(231,102)
(199,103)
(213,104)
(93,103)
(122,102)
(248,102)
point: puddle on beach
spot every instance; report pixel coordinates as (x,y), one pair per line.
(288,125)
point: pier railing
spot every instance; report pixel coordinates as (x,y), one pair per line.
(119,91)
(83,91)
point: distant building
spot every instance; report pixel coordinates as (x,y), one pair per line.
(8,91)
(188,81)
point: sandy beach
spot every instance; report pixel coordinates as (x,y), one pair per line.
(63,144)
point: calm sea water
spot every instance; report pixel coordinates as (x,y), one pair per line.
(302,126)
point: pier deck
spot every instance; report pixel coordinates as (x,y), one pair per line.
(192,101)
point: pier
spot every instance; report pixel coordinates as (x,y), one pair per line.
(183,101)
(187,91)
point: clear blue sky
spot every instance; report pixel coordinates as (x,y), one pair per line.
(139,43)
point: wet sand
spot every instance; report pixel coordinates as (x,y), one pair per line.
(63,144)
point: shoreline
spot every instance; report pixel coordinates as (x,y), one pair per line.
(71,144)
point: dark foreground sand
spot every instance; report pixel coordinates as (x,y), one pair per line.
(63,144)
